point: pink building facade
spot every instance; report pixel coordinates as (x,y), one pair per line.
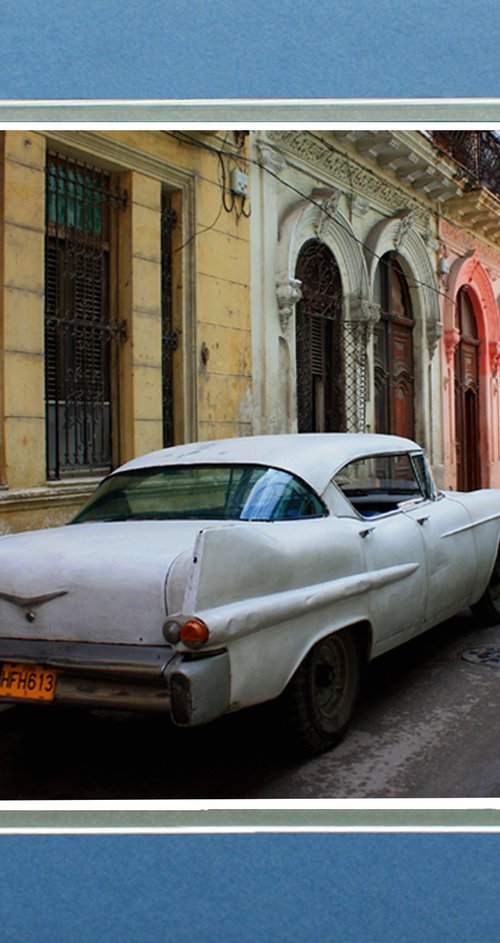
(470,285)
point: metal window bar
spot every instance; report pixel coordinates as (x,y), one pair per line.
(319,354)
(355,358)
(478,152)
(170,337)
(79,329)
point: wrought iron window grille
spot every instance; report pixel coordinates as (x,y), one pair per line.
(477,152)
(81,329)
(170,336)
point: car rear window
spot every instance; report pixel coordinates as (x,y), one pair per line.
(202,492)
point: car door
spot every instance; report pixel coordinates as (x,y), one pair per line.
(394,559)
(450,555)
(393,549)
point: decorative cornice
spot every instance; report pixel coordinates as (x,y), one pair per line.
(358,181)
(121,156)
(479,212)
(409,157)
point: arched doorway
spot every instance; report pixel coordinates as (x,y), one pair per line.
(320,369)
(467,429)
(393,351)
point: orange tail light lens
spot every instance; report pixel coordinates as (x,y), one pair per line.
(194,632)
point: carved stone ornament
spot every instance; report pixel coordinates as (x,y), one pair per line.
(434,335)
(288,294)
(271,159)
(361,310)
(408,220)
(451,342)
(359,205)
(329,201)
(494,349)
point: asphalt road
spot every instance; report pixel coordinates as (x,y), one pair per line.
(427,726)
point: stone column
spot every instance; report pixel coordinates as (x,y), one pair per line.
(139,305)
(22,241)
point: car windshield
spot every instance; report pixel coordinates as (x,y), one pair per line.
(202,492)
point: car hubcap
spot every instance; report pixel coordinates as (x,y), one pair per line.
(329,677)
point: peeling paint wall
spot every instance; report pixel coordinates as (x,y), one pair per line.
(212,363)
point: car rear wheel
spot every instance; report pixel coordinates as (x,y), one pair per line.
(487,609)
(322,694)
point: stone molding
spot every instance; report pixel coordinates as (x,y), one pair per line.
(60,494)
(304,221)
(469,271)
(399,231)
(359,182)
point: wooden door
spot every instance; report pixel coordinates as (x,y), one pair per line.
(394,381)
(467,428)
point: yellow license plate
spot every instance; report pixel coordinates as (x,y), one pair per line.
(30,682)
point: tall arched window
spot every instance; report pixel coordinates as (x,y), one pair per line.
(320,369)
(467,429)
(393,354)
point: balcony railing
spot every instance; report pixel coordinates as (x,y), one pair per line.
(477,152)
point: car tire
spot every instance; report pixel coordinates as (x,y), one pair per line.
(321,696)
(487,609)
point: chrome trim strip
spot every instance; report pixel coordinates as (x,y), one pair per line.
(127,661)
(471,525)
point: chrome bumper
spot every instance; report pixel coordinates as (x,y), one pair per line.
(129,677)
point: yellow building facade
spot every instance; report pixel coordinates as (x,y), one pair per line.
(124,306)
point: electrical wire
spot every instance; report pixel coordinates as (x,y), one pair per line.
(252,161)
(199,232)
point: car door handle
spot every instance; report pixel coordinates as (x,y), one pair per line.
(422,520)
(364,533)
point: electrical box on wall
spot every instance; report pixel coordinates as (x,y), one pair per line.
(239,183)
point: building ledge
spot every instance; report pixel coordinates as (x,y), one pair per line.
(59,493)
(412,164)
(477,210)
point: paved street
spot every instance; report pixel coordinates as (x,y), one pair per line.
(428,726)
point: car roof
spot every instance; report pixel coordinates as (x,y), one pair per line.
(314,457)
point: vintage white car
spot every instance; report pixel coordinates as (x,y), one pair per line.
(205,578)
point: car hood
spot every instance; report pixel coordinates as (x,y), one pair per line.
(96,582)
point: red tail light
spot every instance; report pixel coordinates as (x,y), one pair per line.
(194,632)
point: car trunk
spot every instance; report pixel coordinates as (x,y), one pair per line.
(99,582)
